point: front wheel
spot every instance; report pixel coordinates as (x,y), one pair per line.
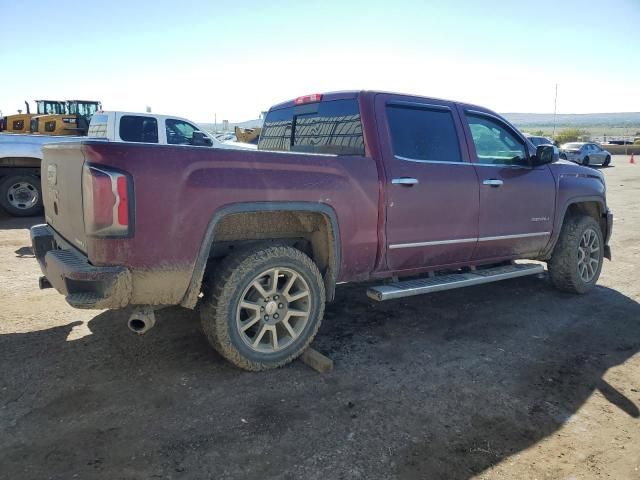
(577,257)
(264,307)
(585,161)
(607,161)
(21,195)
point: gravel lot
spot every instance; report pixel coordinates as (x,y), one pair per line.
(512,380)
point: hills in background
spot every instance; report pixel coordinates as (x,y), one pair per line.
(626,120)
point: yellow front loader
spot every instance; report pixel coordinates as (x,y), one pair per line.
(74,120)
(21,122)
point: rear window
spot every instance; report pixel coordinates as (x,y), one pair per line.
(134,128)
(98,126)
(422,133)
(332,127)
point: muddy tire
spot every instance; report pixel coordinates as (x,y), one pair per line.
(577,257)
(263,306)
(21,195)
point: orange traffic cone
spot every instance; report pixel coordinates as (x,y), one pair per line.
(632,160)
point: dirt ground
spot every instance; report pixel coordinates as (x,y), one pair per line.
(512,380)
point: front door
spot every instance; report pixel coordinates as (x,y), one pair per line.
(432,188)
(517,201)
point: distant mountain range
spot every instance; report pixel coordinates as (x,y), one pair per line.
(575,119)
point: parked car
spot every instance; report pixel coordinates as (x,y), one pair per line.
(344,187)
(21,155)
(585,153)
(537,140)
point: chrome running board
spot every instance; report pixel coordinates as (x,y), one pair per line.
(450,281)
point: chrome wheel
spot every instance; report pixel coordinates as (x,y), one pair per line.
(273,310)
(23,195)
(588,255)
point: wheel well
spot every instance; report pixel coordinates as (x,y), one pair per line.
(593,209)
(24,162)
(310,232)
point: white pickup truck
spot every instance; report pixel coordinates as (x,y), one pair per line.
(21,154)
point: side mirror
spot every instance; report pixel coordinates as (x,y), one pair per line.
(200,139)
(546,154)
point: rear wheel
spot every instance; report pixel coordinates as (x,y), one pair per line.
(21,195)
(607,161)
(585,161)
(264,307)
(577,257)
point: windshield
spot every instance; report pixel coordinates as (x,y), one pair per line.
(49,107)
(573,146)
(83,108)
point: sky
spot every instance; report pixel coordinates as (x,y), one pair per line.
(231,60)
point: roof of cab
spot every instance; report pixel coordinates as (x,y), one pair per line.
(346,94)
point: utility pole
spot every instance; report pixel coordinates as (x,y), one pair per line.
(555,109)
(215,122)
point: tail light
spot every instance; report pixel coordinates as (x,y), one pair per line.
(313,98)
(107,202)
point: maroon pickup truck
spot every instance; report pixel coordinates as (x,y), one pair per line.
(344,187)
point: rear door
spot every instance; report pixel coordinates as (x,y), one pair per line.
(517,200)
(597,153)
(432,189)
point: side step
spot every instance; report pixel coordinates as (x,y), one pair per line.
(451,281)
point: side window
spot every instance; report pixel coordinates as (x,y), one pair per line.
(134,128)
(179,132)
(419,133)
(495,143)
(331,127)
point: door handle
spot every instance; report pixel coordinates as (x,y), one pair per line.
(406,181)
(493,182)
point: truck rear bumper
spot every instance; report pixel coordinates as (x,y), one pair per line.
(70,273)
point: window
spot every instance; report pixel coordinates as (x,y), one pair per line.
(420,133)
(326,127)
(179,132)
(134,128)
(495,143)
(18,124)
(98,126)
(83,108)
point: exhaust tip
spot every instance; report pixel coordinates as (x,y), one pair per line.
(141,321)
(137,325)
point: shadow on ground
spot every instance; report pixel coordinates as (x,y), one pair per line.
(440,386)
(8,222)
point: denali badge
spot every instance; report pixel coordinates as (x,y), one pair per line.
(52,175)
(540,219)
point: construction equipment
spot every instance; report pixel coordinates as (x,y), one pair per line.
(21,122)
(74,120)
(248,135)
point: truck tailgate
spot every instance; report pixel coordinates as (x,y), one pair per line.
(62,191)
